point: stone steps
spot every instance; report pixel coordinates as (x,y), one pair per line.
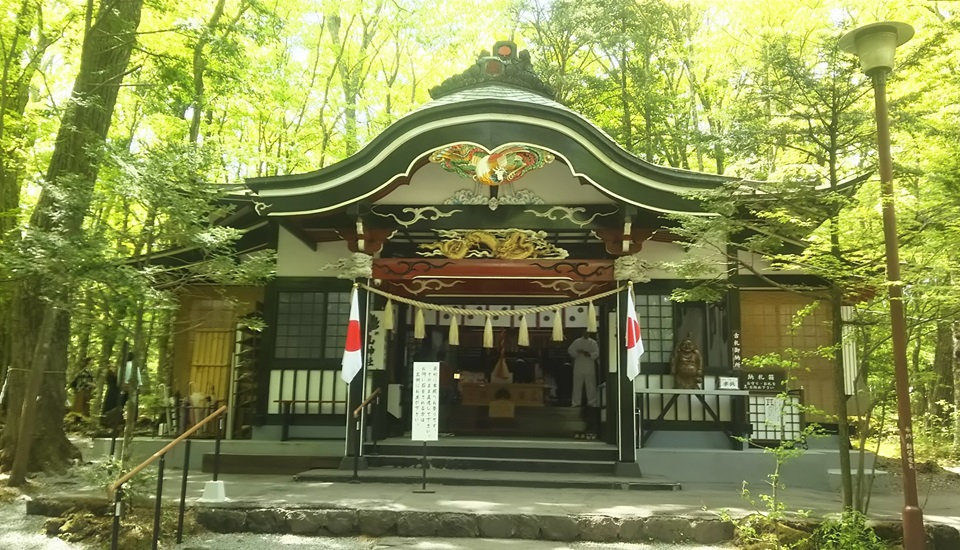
(538,465)
(507,479)
(327,519)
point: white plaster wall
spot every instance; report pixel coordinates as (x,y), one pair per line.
(554,183)
(295,259)
(314,385)
(659,254)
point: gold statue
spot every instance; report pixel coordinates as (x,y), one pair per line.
(686,365)
(504,244)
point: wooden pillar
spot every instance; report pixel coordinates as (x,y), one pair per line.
(610,370)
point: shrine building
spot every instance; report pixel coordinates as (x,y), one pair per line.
(490,207)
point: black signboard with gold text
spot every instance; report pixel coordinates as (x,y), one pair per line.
(762,381)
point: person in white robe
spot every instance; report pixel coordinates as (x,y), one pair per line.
(584,351)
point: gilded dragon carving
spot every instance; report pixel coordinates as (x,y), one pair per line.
(505,244)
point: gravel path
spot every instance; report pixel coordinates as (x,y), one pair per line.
(22,532)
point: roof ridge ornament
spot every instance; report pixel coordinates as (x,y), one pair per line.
(504,66)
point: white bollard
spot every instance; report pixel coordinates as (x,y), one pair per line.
(213,491)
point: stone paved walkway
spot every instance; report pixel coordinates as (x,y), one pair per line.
(275,504)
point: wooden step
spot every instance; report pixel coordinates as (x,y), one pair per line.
(553,466)
(576,451)
(465,478)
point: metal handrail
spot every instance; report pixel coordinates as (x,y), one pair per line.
(116,489)
(127,476)
(366,402)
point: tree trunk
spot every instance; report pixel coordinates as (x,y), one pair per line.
(60,210)
(941,392)
(919,395)
(165,350)
(20,60)
(843,419)
(956,388)
(105,362)
(136,364)
(836,309)
(28,417)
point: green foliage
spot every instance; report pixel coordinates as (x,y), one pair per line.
(105,472)
(769,528)
(933,429)
(758,92)
(849,532)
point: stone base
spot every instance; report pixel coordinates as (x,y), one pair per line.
(626,469)
(347,463)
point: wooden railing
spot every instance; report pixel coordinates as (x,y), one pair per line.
(115,490)
(375,395)
(356,412)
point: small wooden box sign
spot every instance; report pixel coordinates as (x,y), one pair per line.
(728,383)
(762,381)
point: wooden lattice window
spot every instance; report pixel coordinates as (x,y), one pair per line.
(311,325)
(655,313)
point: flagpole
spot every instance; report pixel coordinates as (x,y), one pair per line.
(363,369)
(631,316)
(621,359)
(351,365)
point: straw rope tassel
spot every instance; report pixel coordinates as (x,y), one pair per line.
(591,318)
(488,334)
(453,339)
(419,331)
(523,339)
(388,316)
(558,325)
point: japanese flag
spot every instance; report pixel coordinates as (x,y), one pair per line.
(352,358)
(634,341)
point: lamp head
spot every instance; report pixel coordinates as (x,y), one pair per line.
(876,44)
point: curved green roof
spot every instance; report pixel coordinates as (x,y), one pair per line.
(489,115)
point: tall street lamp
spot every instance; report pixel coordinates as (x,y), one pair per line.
(876,44)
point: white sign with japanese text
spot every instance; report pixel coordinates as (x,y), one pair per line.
(737,357)
(773,411)
(426,401)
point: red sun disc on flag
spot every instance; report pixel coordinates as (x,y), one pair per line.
(633,332)
(353,335)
